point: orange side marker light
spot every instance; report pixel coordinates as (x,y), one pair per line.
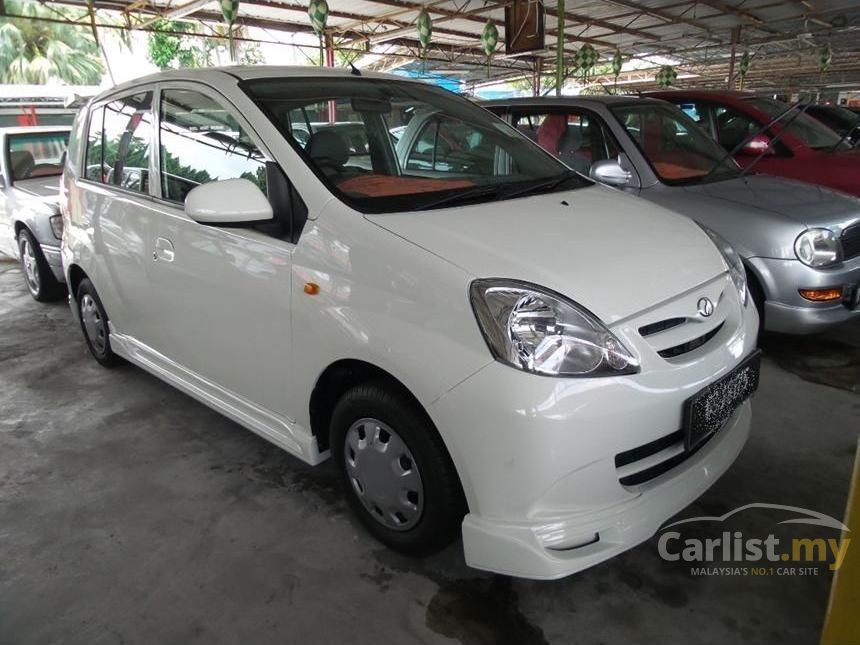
(312,288)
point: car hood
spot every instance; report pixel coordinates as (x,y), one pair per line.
(805,204)
(612,253)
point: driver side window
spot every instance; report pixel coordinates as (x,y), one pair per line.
(732,126)
(200,141)
(451,146)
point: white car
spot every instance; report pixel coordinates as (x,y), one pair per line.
(31,162)
(495,345)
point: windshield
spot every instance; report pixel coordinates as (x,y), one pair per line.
(809,130)
(677,149)
(386,146)
(37,154)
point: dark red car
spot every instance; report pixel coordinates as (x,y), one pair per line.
(806,150)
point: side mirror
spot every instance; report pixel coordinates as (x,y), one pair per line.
(228,202)
(610,172)
(755,146)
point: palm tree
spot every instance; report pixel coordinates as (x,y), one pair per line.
(36,51)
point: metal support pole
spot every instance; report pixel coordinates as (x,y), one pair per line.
(736,36)
(559,51)
(537,75)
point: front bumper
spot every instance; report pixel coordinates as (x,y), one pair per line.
(528,549)
(785,311)
(537,455)
(55,261)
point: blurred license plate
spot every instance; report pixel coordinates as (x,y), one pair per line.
(707,411)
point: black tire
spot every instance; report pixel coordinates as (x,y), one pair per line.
(443,503)
(91,313)
(39,278)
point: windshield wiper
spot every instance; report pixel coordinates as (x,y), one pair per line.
(460,197)
(546,185)
(731,153)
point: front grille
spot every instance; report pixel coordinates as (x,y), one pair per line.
(851,242)
(660,325)
(644,463)
(690,345)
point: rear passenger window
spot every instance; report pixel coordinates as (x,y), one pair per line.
(119,141)
(202,142)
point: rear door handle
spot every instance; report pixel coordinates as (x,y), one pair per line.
(163,250)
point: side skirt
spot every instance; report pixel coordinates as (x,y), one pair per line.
(281,431)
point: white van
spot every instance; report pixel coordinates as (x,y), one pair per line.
(483,340)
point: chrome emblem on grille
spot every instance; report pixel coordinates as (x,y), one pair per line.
(705,307)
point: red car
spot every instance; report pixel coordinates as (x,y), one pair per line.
(806,150)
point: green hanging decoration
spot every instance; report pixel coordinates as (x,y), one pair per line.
(617,62)
(825,58)
(585,59)
(744,67)
(489,41)
(666,76)
(318,14)
(425,32)
(230,10)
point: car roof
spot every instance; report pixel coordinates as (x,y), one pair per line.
(29,129)
(732,95)
(569,101)
(250,72)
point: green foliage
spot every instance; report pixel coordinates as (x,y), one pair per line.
(34,51)
(184,48)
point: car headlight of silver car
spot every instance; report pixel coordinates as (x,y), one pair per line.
(540,331)
(736,265)
(818,247)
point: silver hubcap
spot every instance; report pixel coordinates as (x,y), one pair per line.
(94,324)
(31,268)
(384,474)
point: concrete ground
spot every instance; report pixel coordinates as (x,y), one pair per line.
(130,513)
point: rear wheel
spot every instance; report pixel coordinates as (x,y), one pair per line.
(94,324)
(42,284)
(395,470)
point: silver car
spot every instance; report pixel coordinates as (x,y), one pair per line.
(800,242)
(31,227)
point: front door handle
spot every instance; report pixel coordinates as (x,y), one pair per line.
(163,250)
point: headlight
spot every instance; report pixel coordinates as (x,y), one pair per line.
(57,226)
(818,247)
(736,264)
(539,331)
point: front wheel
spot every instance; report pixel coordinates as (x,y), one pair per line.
(94,324)
(42,284)
(395,470)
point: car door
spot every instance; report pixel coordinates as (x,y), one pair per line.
(222,294)
(7,245)
(114,190)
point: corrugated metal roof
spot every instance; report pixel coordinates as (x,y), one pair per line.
(783,38)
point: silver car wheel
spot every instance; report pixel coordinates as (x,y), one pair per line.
(383,474)
(31,265)
(94,324)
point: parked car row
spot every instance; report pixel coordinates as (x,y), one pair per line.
(800,243)
(485,341)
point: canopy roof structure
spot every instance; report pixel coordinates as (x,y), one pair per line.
(784,39)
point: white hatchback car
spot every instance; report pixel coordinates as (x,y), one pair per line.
(479,337)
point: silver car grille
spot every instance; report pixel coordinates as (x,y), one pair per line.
(851,242)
